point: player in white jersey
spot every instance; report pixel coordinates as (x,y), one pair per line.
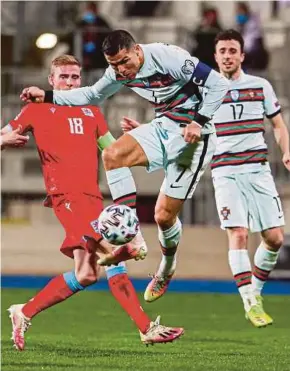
(181,139)
(245,191)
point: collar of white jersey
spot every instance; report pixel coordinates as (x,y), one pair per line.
(240,78)
(148,65)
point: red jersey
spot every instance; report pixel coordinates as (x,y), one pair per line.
(66,139)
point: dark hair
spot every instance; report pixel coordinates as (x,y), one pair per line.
(116,41)
(230,35)
(244,7)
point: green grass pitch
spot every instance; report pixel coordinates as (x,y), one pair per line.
(91,332)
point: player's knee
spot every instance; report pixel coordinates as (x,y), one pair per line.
(111,158)
(275,239)
(87,277)
(238,237)
(164,218)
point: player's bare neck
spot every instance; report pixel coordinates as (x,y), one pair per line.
(233,75)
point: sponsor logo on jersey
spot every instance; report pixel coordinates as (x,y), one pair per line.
(235,95)
(225,212)
(52,109)
(88,112)
(188,67)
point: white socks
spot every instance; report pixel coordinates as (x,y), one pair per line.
(264,262)
(240,265)
(169,240)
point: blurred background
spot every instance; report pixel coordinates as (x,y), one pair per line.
(33,33)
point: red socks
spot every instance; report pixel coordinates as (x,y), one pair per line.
(57,290)
(54,292)
(124,292)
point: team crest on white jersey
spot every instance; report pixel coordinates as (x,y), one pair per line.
(235,95)
(252,94)
(87,112)
(225,212)
(188,67)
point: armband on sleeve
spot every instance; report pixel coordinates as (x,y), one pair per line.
(105,141)
(200,119)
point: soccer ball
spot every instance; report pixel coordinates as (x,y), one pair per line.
(118,224)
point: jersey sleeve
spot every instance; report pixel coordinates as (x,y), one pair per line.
(271,104)
(182,66)
(23,119)
(95,94)
(102,126)
(217,88)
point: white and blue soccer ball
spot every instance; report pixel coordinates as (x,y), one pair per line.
(118,224)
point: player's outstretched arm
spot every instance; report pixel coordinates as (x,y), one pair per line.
(217,88)
(94,94)
(80,96)
(282,138)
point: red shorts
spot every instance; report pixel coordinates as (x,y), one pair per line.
(76,212)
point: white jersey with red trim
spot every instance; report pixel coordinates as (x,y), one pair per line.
(239,122)
(170,78)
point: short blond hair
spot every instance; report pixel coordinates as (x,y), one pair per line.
(64,60)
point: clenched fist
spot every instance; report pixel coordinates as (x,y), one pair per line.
(32,94)
(192,132)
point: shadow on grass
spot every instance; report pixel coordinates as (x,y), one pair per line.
(82,352)
(218,340)
(58,366)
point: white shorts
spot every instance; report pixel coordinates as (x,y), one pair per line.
(183,163)
(248,200)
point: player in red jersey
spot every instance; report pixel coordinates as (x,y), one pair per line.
(66,141)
